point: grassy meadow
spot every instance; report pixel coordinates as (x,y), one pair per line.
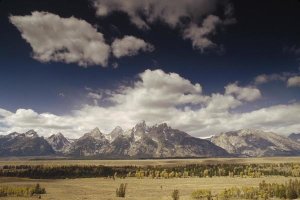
(150,162)
(139,189)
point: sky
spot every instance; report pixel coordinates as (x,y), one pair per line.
(202,66)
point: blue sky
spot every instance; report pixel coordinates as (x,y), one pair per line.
(103,52)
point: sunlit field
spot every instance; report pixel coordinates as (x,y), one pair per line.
(150,162)
(141,187)
(101,188)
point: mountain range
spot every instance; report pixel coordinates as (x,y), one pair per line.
(256,143)
(158,141)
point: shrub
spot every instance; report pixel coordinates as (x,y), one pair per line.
(121,191)
(202,194)
(19,191)
(175,195)
(38,189)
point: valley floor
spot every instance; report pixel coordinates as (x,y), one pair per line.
(138,189)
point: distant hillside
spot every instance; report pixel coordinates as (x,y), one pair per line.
(253,143)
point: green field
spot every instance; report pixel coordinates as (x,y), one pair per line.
(139,189)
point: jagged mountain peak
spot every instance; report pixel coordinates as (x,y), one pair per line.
(96,131)
(142,126)
(59,142)
(117,129)
(94,134)
(116,132)
(162,125)
(31,133)
(57,135)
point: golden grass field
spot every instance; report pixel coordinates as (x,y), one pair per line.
(150,162)
(138,189)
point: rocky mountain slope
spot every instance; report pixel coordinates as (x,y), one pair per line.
(59,143)
(254,143)
(158,141)
(24,144)
(295,137)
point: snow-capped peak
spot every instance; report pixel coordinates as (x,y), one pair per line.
(95,133)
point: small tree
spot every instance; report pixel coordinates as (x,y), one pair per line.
(121,191)
(38,189)
(175,195)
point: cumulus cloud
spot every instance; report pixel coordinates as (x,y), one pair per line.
(157,89)
(243,93)
(130,46)
(294,81)
(157,96)
(201,23)
(58,39)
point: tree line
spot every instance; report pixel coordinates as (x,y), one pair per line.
(194,170)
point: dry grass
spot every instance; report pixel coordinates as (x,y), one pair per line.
(138,189)
(162,162)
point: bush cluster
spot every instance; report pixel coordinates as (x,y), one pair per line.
(289,190)
(21,191)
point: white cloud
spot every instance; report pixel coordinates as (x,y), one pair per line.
(291,79)
(130,46)
(265,78)
(294,81)
(157,96)
(219,103)
(199,34)
(68,40)
(157,89)
(143,13)
(95,97)
(243,93)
